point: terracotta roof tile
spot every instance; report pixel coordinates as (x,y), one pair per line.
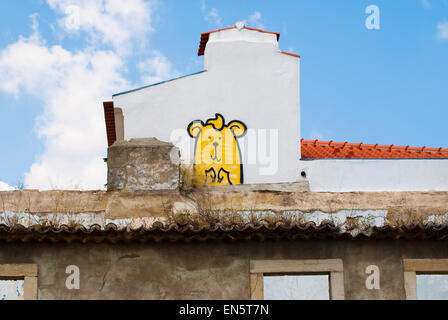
(315,149)
(191,232)
(206,35)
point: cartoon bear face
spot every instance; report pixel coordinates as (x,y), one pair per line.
(217,153)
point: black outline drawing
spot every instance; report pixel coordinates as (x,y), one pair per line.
(220,128)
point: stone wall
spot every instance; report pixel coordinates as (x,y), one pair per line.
(143,164)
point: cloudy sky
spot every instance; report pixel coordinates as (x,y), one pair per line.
(59,59)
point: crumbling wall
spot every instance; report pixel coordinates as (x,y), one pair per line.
(399,207)
(143,164)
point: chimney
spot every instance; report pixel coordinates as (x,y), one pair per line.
(237,43)
(143,164)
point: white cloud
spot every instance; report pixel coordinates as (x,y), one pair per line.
(212,16)
(442,30)
(156,69)
(114,22)
(255,20)
(5,187)
(72,86)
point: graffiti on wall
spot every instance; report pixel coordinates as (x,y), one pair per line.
(217,155)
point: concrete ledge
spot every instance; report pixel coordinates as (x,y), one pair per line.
(399,206)
(301,186)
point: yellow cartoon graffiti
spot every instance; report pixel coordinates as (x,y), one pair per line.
(217,152)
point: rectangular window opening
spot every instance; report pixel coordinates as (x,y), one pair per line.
(432,286)
(12,289)
(297,287)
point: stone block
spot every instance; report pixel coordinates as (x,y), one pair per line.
(143,164)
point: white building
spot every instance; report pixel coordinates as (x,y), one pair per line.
(247,79)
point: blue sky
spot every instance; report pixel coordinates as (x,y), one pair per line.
(386,86)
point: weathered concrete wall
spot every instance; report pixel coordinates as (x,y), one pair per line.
(403,206)
(143,164)
(396,208)
(212,270)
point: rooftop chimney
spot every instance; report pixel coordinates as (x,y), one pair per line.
(143,164)
(237,42)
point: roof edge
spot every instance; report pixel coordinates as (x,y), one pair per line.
(229,232)
(206,35)
(291,54)
(156,84)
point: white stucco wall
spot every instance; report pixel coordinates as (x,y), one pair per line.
(248,79)
(351,175)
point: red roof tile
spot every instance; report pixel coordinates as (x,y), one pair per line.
(206,35)
(315,149)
